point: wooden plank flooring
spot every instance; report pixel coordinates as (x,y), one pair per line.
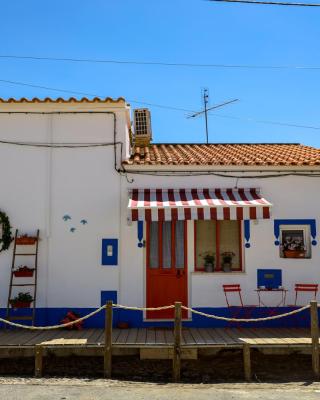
(191,337)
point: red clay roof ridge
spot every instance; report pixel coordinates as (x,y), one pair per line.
(62,100)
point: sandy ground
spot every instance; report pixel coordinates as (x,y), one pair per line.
(219,377)
(94,389)
(227,366)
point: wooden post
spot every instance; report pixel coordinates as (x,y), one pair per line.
(176,364)
(38,361)
(108,341)
(247,362)
(315,337)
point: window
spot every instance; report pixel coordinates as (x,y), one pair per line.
(218,246)
(167,247)
(295,241)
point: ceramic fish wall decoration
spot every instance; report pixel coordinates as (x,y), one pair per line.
(67,218)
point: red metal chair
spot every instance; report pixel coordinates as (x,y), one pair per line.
(311,288)
(233,288)
(305,287)
(237,311)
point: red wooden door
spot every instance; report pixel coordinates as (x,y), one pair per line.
(167,278)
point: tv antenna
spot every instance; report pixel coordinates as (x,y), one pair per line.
(205,97)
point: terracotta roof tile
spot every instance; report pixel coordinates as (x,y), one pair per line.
(225,154)
(62,100)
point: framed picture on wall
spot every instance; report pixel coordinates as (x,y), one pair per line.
(295,242)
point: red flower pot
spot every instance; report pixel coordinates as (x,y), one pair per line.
(26,240)
(24,273)
(294,253)
(20,304)
(123,325)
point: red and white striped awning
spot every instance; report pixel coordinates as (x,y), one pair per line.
(196,204)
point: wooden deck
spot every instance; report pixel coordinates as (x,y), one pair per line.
(158,337)
(154,343)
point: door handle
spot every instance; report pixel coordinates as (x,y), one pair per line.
(179,273)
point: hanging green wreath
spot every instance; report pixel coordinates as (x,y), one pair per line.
(7,238)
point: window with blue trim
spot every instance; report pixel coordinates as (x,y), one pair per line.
(295,241)
(295,237)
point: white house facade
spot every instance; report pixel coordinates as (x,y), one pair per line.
(147,224)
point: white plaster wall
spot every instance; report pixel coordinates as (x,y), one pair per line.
(293,198)
(39,186)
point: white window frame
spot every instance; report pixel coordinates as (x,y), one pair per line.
(306,237)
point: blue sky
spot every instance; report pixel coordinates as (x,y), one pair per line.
(190,31)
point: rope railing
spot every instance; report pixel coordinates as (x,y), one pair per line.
(65,325)
(143,308)
(192,310)
(218,317)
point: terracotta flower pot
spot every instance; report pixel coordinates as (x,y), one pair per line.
(123,325)
(24,274)
(26,240)
(294,253)
(20,304)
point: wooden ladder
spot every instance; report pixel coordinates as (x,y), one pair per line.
(15,281)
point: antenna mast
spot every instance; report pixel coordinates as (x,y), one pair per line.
(207,109)
(205,101)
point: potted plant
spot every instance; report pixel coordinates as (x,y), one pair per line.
(23,271)
(208,258)
(227,257)
(294,249)
(26,240)
(23,300)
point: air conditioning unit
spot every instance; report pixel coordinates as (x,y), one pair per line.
(142,127)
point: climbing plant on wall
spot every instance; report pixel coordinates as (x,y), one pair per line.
(6,238)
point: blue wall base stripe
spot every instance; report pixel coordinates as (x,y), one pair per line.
(52,316)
